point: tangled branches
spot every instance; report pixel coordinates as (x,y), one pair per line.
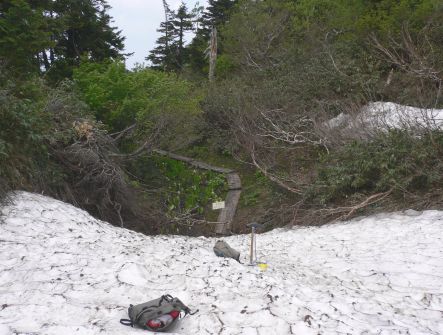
(97,181)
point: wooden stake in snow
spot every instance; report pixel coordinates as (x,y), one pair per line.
(253,247)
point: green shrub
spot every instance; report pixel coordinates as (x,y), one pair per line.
(21,131)
(152,99)
(183,189)
(189,189)
(395,160)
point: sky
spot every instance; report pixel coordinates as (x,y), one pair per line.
(139,20)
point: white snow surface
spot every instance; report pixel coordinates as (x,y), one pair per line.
(64,272)
(386,115)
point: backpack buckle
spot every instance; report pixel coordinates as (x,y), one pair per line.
(168,297)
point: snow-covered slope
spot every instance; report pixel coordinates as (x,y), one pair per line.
(63,272)
(386,115)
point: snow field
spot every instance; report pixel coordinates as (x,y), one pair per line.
(63,272)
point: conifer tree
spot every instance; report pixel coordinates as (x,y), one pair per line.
(86,32)
(215,15)
(163,55)
(54,35)
(169,53)
(182,22)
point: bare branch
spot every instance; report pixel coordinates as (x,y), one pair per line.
(411,56)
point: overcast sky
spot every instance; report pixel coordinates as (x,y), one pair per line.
(139,20)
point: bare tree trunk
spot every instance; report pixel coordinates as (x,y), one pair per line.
(212,54)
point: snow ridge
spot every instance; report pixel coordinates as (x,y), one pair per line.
(63,272)
(388,115)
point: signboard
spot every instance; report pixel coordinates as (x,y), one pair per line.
(218,205)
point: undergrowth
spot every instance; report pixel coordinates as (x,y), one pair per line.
(396,160)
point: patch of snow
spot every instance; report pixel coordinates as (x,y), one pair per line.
(386,115)
(63,272)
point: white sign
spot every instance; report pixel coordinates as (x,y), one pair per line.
(218,205)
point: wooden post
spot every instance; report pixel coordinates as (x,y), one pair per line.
(251,256)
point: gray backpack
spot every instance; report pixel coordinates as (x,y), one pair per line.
(140,315)
(222,249)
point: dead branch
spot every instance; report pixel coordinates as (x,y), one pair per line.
(144,147)
(271,176)
(350,210)
(120,134)
(96,180)
(413,57)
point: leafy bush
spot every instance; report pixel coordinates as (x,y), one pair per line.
(189,189)
(161,104)
(22,131)
(395,160)
(183,188)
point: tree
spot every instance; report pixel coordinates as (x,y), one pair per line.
(169,54)
(216,14)
(52,36)
(85,31)
(182,22)
(23,35)
(163,55)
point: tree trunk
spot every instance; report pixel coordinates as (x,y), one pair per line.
(212,54)
(45,60)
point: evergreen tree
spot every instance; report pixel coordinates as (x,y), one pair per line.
(182,22)
(86,31)
(52,36)
(163,55)
(23,35)
(215,15)
(169,54)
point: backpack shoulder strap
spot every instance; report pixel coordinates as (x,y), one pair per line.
(183,307)
(127,322)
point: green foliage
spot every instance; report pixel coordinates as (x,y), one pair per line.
(151,98)
(216,14)
(35,119)
(23,34)
(22,129)
(311,60)
(53,35)
(170,53)
(83,30)
(190,189)
(359,17)
(395,160)
(255,186)
(225,66)
(183,189)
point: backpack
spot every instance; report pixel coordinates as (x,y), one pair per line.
(140,315)
(222,249)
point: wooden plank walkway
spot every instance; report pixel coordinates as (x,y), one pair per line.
(227,214)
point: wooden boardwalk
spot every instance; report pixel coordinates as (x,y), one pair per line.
(226,215)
